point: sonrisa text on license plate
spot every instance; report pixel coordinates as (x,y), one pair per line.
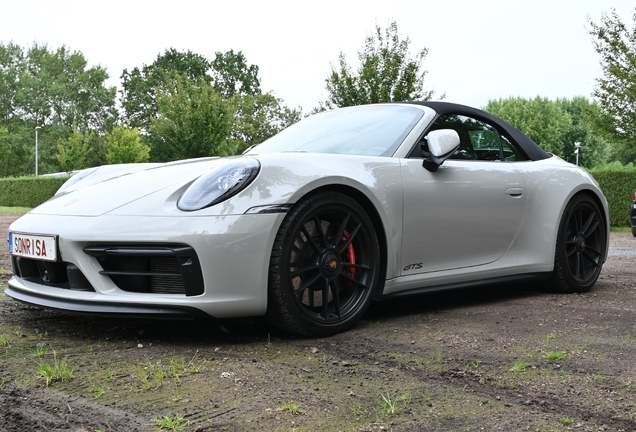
(40,247)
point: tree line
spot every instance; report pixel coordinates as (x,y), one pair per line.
(180,106)
(184,105)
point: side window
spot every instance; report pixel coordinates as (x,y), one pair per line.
(486,143)
(478,140)
(510,152)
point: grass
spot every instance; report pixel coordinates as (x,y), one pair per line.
(40,352)
(178,367)
(520,366)
(97,389)
(549,338)
(358,411)
(18,210)
(393,406)
(292,408)
(154,371)
(176,394)
(620,229)
(153,375)
(3,381)
(110,374)
(474,365)
(437,356)
(173,423)
(567,421)
(4,341)
(56,371)
(555,355)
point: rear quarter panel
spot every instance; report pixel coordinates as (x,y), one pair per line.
(551,185)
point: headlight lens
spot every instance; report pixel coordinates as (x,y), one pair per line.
(75,178)
(227,178)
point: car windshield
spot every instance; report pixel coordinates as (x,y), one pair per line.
(375,130)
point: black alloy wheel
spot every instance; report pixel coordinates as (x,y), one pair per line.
(580,247)
(324,266)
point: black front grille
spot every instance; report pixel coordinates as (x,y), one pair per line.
(58,274)
(169,269)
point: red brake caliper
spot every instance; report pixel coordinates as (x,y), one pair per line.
(350,257)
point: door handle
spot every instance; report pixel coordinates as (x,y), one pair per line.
(514,191)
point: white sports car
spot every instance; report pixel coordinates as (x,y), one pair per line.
(307,228)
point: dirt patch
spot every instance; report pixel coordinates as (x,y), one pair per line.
(495,358)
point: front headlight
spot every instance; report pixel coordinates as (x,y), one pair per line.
(227,178)
(76,178)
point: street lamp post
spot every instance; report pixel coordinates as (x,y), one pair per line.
(577,147)
(36,150)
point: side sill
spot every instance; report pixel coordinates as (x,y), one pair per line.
(482,282)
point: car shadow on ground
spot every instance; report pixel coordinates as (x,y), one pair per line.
(205,332)
(453,299)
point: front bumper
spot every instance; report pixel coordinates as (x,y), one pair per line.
(233,251)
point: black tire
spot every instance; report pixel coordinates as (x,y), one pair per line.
(324,266)
(634,231)
(580,246)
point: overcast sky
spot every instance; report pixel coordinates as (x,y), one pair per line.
(478,50)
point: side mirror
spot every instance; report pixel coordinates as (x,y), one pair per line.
(441,144)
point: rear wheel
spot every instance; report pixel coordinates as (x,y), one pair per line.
(580,246)
(324,266)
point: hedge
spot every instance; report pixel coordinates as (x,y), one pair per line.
(28,191)
(618,185)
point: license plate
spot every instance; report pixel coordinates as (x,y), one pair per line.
(35,246)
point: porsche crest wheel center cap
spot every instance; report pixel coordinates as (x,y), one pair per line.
(330,264)
(580,243)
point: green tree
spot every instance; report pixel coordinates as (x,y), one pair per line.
(233,76)
(259,117)
(595,148)
(140,87)
(229,73)
(74,153)
(616,90)
(5,147)
(53,89)
(12,66)
(543,120)
(57,87)
(125,146)
(386,73)
(557,125)
(193,121)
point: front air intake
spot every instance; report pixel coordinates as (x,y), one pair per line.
(166,269)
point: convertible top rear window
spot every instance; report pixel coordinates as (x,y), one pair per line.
(364,130)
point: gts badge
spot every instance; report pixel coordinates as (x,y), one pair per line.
(415,266)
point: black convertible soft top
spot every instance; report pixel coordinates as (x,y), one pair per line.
(518,138)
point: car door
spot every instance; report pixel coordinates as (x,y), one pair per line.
(469,211)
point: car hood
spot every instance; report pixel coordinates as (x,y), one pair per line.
(153,190)
(108,188)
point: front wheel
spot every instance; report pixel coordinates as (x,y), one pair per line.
(324,266)
(580,246)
